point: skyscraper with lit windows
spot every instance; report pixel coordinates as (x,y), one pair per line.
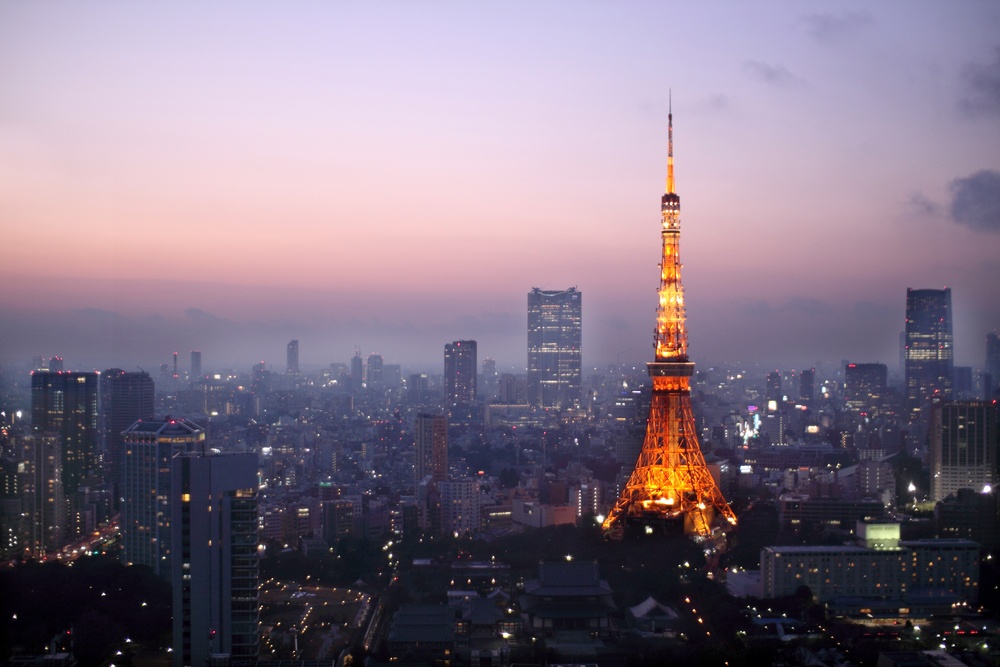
(555,357)
(431,440)
(374,371)
(964,447)
(929,348)
(460,372)
(65,404)
(214,568)
(150,445)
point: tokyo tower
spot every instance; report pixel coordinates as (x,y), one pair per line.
(670,482)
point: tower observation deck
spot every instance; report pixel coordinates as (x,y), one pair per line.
(671,481)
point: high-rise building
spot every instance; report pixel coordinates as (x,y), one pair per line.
(929,350)
(460,506)
(807,386)
(214,569)
(865,386)
(56,365)
(374,370)
(490,377)
(357,371)
(125,398)
(42,500)
(992,367)
(555,358)
(417,388)
(773,388)
(671,482)
(964,447)
(65,404)
(195,365)
(292,358)
(460,372)
(431,438)
(150,445)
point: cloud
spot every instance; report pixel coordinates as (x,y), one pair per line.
(975,200)
(718,102)
(202,315)
(921,205)
(795,305)
(98,313)
(774,75)
(982,88)
(615,323)
(830,28)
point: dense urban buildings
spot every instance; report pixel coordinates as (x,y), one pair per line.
(554,347)
(460,367)
(929,347)
(334,480)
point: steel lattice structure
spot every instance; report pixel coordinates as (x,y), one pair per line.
(671,479)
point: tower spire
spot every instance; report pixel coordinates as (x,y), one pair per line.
(671,481)
(670,143)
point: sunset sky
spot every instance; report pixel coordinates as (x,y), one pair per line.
(397,175)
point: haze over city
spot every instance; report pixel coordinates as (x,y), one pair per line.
(394,176)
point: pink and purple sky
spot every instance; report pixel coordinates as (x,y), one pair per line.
(397,175)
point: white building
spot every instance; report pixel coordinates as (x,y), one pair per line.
(460,506)
(879,568)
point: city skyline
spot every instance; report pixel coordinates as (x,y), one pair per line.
(228,179)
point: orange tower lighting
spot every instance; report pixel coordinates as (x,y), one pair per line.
(671,479)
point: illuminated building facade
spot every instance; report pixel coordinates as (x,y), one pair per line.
(460,506)
(375,371)
(42,501)
(149,447)
(929,348)
(807,386)
(964,447)
(431,438)
(671,481)
(214,569)
(881,573)
(460,372)
(555,357)
(865,386)
(65,404)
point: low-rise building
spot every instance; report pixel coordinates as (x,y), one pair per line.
(879,574)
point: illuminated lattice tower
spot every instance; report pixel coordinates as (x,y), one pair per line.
(671,480)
